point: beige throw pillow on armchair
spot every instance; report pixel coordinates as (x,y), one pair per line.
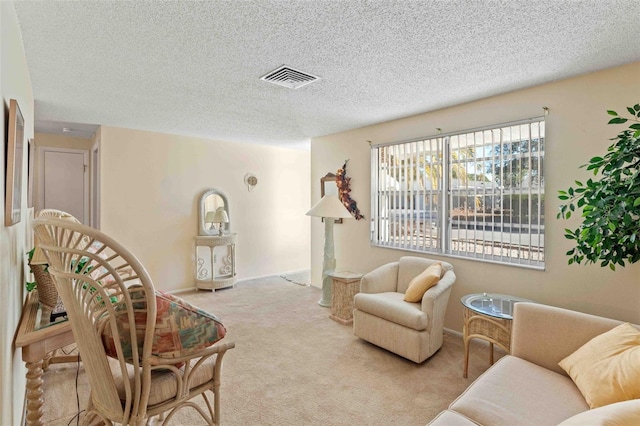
(423,282)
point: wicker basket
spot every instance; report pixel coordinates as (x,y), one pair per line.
(47,292)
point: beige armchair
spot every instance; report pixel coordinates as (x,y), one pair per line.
(382,317)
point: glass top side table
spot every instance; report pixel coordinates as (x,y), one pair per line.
(488,317)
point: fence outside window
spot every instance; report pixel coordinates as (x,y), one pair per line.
(477,194)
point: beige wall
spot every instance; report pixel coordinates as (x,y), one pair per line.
(576,131)
(150,185)
(14,84)
(62,141)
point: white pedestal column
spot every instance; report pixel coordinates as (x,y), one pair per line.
(328,263)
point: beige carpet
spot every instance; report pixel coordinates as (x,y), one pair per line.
(292,365)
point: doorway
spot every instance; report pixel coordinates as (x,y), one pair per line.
(95,186)
(64,181)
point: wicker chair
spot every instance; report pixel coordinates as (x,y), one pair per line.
(98,296)
(47,293)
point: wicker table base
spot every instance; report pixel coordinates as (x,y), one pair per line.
(494,330)
(345,286)
(488,317)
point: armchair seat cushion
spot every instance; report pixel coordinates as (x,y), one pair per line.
(392,307)
(164,382)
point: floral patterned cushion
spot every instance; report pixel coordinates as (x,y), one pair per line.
(181,328)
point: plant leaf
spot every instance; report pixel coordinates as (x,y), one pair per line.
(617,120)
(610,112)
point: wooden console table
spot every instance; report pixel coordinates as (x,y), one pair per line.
(37,338)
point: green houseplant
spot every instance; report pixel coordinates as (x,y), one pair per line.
(31,285)
(610,204)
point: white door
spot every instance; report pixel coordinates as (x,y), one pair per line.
(95,186)
(64,183)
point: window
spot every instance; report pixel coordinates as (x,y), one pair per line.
(477,194)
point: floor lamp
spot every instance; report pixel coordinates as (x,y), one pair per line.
(330,208)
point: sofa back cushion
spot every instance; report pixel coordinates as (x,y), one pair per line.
(545,334)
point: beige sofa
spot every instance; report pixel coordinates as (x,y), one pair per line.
(528,387)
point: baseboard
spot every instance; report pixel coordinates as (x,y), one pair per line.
(181,290)
(298,271)
(454,332)
(258,277)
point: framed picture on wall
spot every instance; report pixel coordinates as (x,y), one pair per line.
(15,148)
(328,187)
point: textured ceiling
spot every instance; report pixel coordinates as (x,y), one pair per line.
(194,68)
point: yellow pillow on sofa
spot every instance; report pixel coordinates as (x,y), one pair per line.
(423,282)
(606,369)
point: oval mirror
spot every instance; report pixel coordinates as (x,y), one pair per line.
(213,213)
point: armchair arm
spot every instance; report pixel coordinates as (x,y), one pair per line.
(381,279)
(545,334)
(184,376)
(435,300)
(218,348)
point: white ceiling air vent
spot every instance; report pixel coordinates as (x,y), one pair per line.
(289,77)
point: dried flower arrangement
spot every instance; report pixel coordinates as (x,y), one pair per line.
(344,188)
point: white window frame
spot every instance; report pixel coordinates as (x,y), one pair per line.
(421,203)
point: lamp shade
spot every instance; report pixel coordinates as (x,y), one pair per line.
(210,217)
(330,206)
(221,216)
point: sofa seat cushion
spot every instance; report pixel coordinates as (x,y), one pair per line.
(518,392)
(451,418)
(391,307)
